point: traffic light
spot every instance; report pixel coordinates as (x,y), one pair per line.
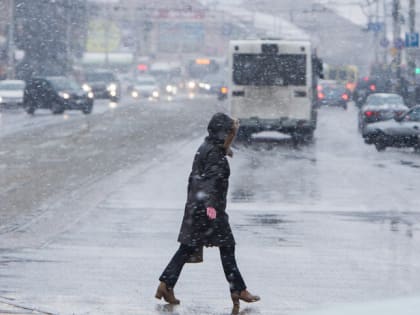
(417,71)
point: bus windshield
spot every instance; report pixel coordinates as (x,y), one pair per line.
(263,69)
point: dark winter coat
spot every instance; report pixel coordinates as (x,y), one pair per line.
(208,187)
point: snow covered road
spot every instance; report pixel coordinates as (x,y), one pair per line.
(329,223)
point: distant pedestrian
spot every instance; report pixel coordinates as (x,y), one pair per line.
(205,221)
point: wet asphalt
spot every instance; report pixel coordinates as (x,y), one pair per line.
(97,203)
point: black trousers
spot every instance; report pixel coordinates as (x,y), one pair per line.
(227,254)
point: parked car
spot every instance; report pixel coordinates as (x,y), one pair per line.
(103,83)
(144,87)
(379,107)
(331,93)
(11,93)
(56,93)
(402,131)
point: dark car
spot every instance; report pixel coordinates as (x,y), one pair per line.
(402,131)
(214,83)
(379,107)
(103,83)
(332,94)
(56,93)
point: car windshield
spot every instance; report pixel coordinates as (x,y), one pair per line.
(384,100)
(333,91)
(11,86)
(64,84)
(413,115)
(100,77)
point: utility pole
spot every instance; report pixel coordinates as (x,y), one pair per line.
(385,61)
(69,59)
(376,34)
(396,40)
(412,56)
(11,42)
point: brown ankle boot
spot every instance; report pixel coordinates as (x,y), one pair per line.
(166,293)
(245,296)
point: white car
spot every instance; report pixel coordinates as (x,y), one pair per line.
(402,131)
(11,92)
(144,87)
(380,107)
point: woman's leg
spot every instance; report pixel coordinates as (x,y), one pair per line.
(171,273)
(232,274)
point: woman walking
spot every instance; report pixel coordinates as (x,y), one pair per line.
(205,221)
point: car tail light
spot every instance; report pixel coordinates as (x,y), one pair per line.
(372,87)
(224,90)
(345,97)
(369,113)
(321,96)
(319,88)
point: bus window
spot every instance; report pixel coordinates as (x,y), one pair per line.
(279,70)
(342,75)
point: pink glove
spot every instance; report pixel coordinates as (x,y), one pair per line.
(211,213)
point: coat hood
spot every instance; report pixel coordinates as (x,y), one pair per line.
(219,127)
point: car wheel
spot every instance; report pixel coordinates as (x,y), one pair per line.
(243,135)
(30,109)
(57,108)
(87,110)
(380,146)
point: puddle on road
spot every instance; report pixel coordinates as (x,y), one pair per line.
(409,163)
(167,309)
(398,222)
(274,228)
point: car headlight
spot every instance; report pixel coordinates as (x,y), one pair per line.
(90,95)
(207,87)
(64,95)
(86,87)
(1,99)
(155,94)
(135,94)
(169,88)
(113,93)
(191,84)
(111,87)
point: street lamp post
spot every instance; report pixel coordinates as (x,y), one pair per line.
(396,39)
(11,42)
(411,57)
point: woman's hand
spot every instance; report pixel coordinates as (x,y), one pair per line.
(211,213)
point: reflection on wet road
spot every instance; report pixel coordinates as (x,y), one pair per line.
(328,223)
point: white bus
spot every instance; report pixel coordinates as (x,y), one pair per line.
(273,87)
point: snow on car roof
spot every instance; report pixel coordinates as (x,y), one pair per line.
(384,95)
